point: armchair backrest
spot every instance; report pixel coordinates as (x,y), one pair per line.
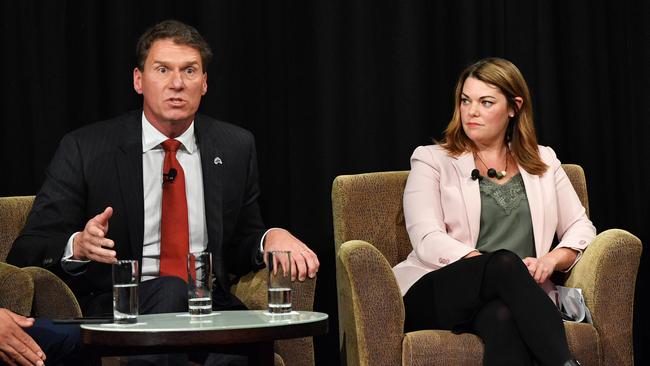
(578,181)
(13,215)
(369,207)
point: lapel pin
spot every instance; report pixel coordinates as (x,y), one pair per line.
(217,161)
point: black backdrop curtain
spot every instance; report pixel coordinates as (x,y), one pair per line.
(339,87)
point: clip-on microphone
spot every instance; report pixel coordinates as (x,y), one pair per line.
(476,175)
(170,176)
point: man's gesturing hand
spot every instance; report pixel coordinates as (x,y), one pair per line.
(91,243)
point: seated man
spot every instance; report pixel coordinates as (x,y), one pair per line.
(20,338)
(154,185)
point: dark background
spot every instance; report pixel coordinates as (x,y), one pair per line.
(340,87)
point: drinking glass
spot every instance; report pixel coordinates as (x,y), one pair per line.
(279,280)
(199,284)
(126,277)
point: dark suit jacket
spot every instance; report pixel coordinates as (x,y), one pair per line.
(100,165)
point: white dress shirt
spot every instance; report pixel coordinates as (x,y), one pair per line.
(153,156)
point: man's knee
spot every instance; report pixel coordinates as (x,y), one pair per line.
(60,342)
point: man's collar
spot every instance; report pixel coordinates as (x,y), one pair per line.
(152,138)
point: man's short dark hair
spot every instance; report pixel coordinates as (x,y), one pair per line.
(180,33)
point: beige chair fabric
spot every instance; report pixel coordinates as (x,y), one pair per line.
(371,238)
(16,289)
(39,292)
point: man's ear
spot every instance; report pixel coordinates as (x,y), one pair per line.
(205,84)
(137,80)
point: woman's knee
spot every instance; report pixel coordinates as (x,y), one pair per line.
(505,263)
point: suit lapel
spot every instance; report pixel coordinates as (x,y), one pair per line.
(464,165)
(129,170)
(208,140)
(534,196)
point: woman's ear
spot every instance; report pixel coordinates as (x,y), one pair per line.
(518,102)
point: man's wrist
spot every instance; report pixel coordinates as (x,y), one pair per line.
(266,234)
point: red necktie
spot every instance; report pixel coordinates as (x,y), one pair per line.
(174,229)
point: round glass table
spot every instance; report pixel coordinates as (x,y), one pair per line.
(249,332)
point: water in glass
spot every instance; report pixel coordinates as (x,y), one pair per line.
(125,303)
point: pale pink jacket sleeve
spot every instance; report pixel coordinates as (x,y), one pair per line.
(574,229)
(424,216)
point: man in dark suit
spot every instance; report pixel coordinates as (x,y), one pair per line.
(104,194)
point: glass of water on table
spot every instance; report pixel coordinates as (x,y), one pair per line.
(199,284)
(126,277)
(279,281)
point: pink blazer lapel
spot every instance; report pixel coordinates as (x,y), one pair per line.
(536,204)
(464,165)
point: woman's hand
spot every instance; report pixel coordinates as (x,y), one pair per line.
(541,268)
(558,259)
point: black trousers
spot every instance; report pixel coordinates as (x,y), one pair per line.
(494,297)
(164,295)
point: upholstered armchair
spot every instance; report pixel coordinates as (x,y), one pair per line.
(371,238)
(37,291)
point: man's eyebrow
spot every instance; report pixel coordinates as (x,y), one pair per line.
(184,64)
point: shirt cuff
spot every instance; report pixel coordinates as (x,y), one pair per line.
(264,236)
(71,266)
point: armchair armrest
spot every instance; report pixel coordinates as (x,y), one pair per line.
(606,273)
(371,309)
(16,289)
(52,297)
(252,291)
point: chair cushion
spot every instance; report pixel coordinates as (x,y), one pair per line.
(441,347)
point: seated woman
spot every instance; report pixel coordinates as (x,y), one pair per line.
(482,208)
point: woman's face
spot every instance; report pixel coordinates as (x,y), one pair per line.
(484,112)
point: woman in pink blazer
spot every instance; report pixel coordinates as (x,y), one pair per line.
(482,209)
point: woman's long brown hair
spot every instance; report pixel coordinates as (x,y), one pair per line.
(520,134)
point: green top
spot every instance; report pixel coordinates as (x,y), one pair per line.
(505,218)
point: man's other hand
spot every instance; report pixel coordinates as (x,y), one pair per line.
(304,261)
(91,243)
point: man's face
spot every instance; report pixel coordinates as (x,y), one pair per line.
(172,83)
